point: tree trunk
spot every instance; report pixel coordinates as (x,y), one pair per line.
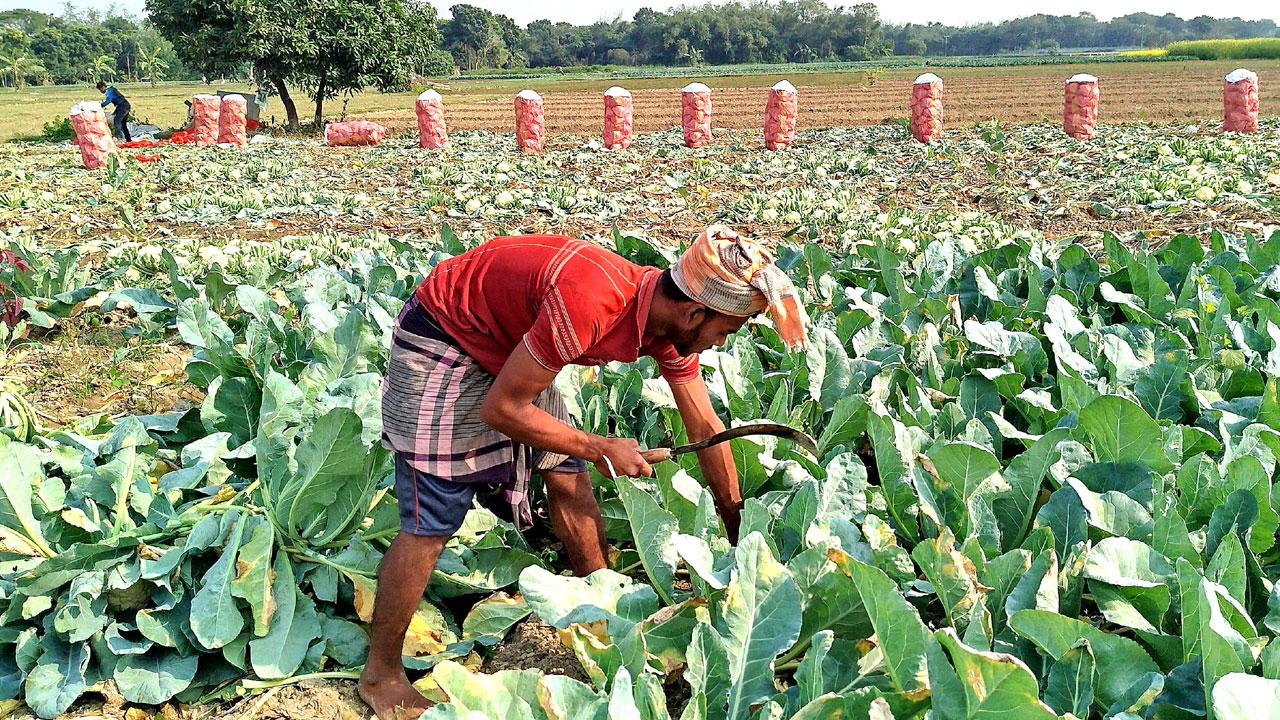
(320,88)
(290,111)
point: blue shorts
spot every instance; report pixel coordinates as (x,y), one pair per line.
(431,505)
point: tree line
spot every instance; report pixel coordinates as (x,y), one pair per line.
(799,31)
(82,46)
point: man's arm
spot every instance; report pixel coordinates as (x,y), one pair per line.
(509,409)
(701,422)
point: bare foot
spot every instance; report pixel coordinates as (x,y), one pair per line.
(392,698)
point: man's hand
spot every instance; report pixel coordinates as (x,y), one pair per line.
(620,456)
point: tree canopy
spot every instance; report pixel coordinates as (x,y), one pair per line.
(329,48)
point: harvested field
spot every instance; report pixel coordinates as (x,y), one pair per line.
(1156,92)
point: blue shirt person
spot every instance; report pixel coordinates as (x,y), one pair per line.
(119,119)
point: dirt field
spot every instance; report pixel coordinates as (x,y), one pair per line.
(1155,91)
(1130,91)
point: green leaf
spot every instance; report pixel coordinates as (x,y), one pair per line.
(895,447)
(1207,631)
(22,472)
(1025,476)
(1239,696)
(154,677)
(1136,579)
(996,685)
(761,619)
(504,694)
(953,576)
(1070,685)
(563,698)
(494,616)
(1121,431)
(653,529)
(294,625)
(215,619)
(1121,662)
(709,670)
(830,371)
(232,406)
(59,677)
(1160,388)
(254,576)
(602,595)
(900,633)
(335,481)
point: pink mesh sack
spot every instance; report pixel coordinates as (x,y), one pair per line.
(617,118)
(926,108)
(232,113)
(695,114)
(531,129)
(1080,106)
(431,130)
(93,135)
(353,132)
(205,109)
(780,115)
(1240,101)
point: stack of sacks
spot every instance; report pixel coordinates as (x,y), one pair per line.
(93,135)
(780,115)
(1080,106)
(926,108)
(695,114)
(617,118)
(355,132)
(431,130)
(206,109)
(231,120)
(1240,101)
(531,130)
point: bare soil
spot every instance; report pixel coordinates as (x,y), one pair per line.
(89,365)
(1155,92)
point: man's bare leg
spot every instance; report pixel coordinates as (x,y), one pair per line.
(402,577)
(575,516)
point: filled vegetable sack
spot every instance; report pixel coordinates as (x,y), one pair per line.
(431,130)
(780,115)
(354,132)
(617,118)
(206,109)
(1240,101)
(695,114)
(1080,106)
(93,135)
(232,125)
(531,129)
(926,108)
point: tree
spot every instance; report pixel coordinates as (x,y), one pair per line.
(215,37)
(353,58)
(151,64)
(103,66)
(19,67)
(472,34)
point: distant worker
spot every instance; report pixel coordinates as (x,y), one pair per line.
(119,120)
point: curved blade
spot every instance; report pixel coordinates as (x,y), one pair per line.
(785,432)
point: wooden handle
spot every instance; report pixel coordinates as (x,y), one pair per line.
(656,455)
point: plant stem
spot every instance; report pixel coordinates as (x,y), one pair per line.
(331,675)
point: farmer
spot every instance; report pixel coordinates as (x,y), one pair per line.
(120,119)
(468,403)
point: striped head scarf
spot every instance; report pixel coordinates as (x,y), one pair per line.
(733,275)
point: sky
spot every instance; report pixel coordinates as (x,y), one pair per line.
(919,11)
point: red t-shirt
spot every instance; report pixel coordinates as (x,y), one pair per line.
(570,301)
